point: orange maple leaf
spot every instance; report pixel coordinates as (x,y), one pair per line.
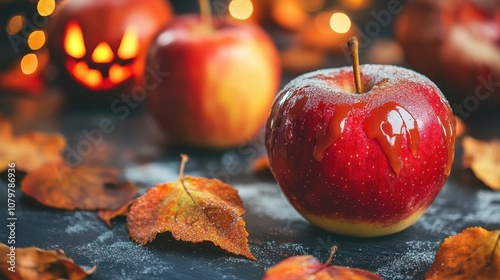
(84,187)
(36,264)
(30,150)
(107,215)
(483,158)
(308,267)
(471,254)
(192,209)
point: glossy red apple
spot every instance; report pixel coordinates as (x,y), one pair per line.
(221,84)
(456,43)
(365,164)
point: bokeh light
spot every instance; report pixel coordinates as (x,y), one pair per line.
(340,23)
(15,24)
(46,7)
(29,64)
(289,14)
(36,40)
(241,9)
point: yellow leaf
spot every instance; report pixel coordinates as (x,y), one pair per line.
(471,254)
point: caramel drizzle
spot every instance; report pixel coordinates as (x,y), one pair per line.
(324,139)
(449,132)
(388,124)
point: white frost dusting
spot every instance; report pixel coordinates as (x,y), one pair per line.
(81,222)
(155,173)
(486,210)
(121,252)
(418,257)
(483,208)
(265,199)
(105,236)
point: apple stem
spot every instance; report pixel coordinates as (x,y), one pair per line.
(352,45)
(206,14)
(332,253)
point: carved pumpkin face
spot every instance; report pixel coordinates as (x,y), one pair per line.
(102,67)
(102,44)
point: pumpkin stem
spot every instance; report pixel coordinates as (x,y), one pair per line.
(206,14)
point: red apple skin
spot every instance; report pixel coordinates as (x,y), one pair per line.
(456,43)
(221,84)
(354,188)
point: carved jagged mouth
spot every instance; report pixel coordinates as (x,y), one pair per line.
(99,76)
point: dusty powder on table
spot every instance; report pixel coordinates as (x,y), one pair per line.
(81,222)
(417,258)
(266,199)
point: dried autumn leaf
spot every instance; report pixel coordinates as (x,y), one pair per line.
(471,254)
(483,158)
(30,150)
(107,215)
(36,264)
(460,127)
(261,164)
(308,267)
(192,209)
(84,187)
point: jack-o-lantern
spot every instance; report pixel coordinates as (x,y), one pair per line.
(102,44)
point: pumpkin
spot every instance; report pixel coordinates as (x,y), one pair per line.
(102,44)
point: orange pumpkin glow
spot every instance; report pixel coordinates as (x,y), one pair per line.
(98,43)
(112,71)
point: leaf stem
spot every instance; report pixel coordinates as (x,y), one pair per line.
(184,159)
(352,45)
(332,253)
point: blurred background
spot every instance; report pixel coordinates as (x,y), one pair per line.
(309,34)
(455,43)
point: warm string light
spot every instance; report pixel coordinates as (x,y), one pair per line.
(15,24)
(340,22)
(241,9)
(327,21)
(29,64)
(46,7)
(36,39)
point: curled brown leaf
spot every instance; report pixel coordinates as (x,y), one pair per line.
(308,267)
(471,254)
(84,187)
(37,264)
(192,209)
(108,215)
(30,150)
(483,158)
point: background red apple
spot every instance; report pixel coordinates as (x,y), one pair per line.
(221,81)
(365,164)
(456,43)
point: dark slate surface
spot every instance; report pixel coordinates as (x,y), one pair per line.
(276,230)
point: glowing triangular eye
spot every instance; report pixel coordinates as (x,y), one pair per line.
(74,44)
(103,53)
(129,46)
